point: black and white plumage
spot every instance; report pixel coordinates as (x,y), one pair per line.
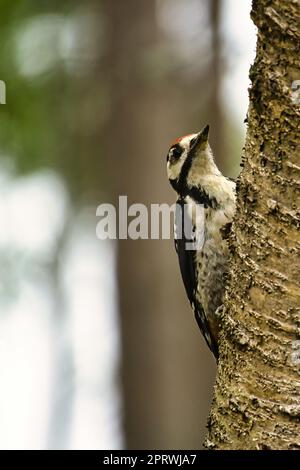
(195,177)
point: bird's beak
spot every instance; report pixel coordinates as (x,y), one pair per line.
(201,138)
(204,133)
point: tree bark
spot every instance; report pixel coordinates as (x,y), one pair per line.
(257,394)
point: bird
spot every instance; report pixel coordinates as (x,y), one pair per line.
(206,202)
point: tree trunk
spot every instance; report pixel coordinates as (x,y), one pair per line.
(257,395)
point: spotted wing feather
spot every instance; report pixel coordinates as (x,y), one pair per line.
(187,263)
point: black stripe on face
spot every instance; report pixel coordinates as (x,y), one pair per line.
(182,181)
(197,141)
(174,184)
(196,193)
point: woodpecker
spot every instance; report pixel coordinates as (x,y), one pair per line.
(195,177)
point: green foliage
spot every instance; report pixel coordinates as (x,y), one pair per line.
(30,120)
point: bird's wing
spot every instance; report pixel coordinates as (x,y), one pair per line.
(187,263)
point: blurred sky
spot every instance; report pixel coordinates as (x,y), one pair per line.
(31,342)
(240,40)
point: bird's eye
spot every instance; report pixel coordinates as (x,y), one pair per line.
(176,152)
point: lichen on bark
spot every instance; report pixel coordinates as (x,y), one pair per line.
(257,393)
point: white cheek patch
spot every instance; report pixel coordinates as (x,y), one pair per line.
(174,169)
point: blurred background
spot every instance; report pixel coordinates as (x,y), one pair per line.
(98,345)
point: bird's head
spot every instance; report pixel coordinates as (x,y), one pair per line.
(189,157)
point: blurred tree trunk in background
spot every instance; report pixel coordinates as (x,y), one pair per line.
(216,70)
(164,400)
(62,396)
(257,404)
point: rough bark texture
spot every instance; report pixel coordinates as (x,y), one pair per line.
(257,394)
